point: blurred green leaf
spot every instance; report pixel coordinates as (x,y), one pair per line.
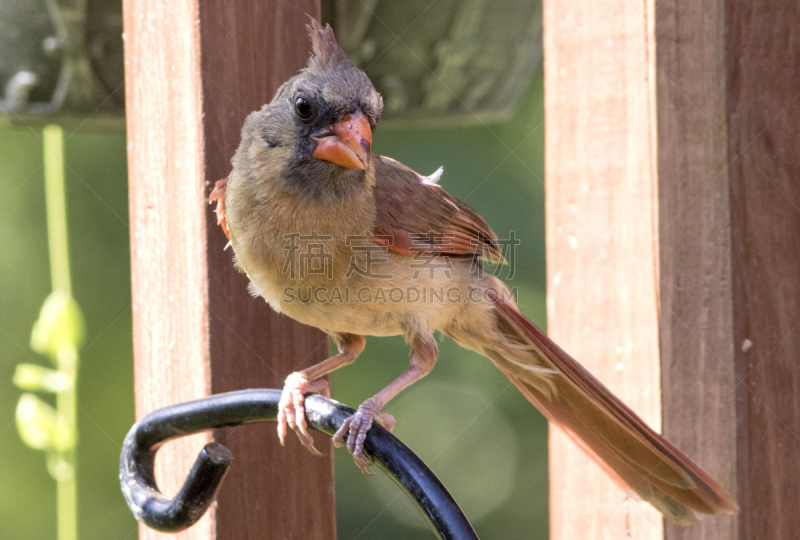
(39,425)
(36,422)
(59,468)
(36,378)
(60,326)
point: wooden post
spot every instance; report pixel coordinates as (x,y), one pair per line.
(763,115)
(194,70)
(601,204)
(673,213)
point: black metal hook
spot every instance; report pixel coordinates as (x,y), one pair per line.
(152,508)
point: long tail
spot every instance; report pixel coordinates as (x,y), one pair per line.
(637,458)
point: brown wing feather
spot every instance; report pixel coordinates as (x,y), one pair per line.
(218,196)
(414,217)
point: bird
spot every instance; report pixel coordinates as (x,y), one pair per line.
(357,244)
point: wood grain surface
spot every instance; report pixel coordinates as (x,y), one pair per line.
(677,166)
(696,323)
(602,214)
(194,70)
(763,114)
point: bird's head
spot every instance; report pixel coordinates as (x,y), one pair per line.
(319,124)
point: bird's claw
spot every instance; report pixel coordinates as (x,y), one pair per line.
(353,432)
(291,408)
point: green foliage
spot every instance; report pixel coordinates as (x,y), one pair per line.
(96,196)
(35,378)
(38,425)
(60,329)
(58,333)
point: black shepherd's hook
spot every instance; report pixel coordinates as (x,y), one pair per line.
(152,508)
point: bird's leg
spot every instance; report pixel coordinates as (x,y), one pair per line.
(291,408)
(424,353)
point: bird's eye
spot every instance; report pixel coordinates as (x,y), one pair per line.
(303,108)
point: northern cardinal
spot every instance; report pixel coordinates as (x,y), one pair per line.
(358,244)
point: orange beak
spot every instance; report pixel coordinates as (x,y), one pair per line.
(350,143)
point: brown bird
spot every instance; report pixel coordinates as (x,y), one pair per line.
(358,244)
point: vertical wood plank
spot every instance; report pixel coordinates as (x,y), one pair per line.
(763,110)
(194,70)
(602,214)
(727,209)
(696,323)
(285,491)
(168,240)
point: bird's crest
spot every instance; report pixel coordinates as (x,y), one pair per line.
(326,53)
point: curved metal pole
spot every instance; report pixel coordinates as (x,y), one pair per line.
(155,510)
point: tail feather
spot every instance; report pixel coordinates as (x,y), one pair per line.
(637,458)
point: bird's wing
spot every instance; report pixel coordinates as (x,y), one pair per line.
(413,216)
(218,196)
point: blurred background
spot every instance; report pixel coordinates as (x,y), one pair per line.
(480,436)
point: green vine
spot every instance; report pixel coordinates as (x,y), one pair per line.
(57,334)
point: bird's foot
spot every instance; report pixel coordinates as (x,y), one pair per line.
(291,408)
(355,429)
